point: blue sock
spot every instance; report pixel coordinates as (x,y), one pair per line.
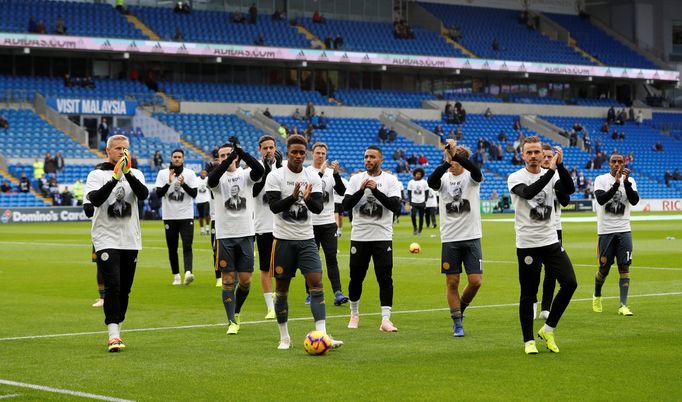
(228,301)
(624,285)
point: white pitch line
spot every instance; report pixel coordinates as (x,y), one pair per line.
(9,396)
(62,391)
(431,310)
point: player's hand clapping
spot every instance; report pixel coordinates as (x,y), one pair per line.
(307,191)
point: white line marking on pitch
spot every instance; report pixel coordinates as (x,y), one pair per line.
(10,396)
(16,338)
(62,391)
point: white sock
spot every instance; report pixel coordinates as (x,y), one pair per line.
(283,331)
(547,328)
(385,313)
(269,301)
(177,276)
(114,331)
(321,326)
(355,307)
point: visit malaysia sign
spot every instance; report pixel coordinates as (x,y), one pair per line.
(109,107)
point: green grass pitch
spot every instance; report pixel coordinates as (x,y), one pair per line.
(47,284)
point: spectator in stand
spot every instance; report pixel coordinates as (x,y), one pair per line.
(68,82)
(488,113)
(267,113)
(460,114)
(587,144)
(604,127)
(238,17)
(392,135)
(667,177)
(676,175)
(438,130)
(413,160)
(455,33)
(496,47)
(157,161)
(478,158)
(178,37)
(182,7)
(590,164)
(67,198)
(502,136)
(658,147)
(318,18)
(589,190)
(459,135)
(516,125)
(403,166)
(294,131)
(516,159)
(396,155)
(631,114)
(88,82)
(328,42)
(4,123)
(6,187)
(32,25)
(24,183)
(577,127)
(260,40)
(103,130)
(621,135)
(78,192)
(49,164)
(40,28)
(308,133)
(518,142)
(582,182)
(448,109)
(573,139)
(338,41)
(423,160)
(630,157)
(60,27)
(253,14)
(321,121)
(639,118)
(614,135)
(597,145)
(59,160)
(510,147)
(621,118)
(382,135)
(611,115)
(309,111)
(297,115)
(279,15)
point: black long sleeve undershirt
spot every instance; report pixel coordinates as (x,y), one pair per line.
(633,196)
(351,200)
(97,197)
(604,196)
(434,178)
(565,184)
(161,191)
(89,210)
(339,187)
(189,190)
(391,203)
(277,203)
(563,199)
(218,171)
(315,203)
(140,190)
(529,191)
(256,169)
(258,187)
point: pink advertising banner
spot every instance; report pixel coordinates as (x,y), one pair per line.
(323,56)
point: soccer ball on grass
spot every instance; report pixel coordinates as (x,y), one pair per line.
(415,248)
(317,343)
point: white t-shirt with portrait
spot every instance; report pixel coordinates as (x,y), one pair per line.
(327,215)
(115,223)
(203,194)
(534,219)
(418,189)
(295,223)
(176,203)
(371,220)
(234,205)
(431,200)
(614,216)
(460,207)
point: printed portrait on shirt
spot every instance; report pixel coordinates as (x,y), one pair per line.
(119,208)
(235,202)
(458,204)
(176,193)
(539,210)
(371,207)
(616,206)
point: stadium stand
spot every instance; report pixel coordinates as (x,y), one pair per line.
(80,18)
(378,98)
(470,97)
(480,26)
(596,102)
(362,36)
(217,92)
(29,136)
(17,199)
(17,88)
(73,172)
(599,44)
(217,27)
(536,100)
(206,131)
(145,147)
(648,166)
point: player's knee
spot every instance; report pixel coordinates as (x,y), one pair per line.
(316,291)
(453,282)
(244,287)
(228,284)
(475,282)
(602,273)
(624,269)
